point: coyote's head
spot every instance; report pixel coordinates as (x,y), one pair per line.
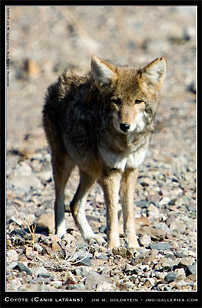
(133,94)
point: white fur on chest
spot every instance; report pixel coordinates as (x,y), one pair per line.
(120,161)
(136,159)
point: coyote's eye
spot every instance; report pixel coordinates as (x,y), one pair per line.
(138,101)
(116,101)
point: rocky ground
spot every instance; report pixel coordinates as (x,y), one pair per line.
(44,40)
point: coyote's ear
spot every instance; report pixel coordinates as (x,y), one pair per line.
(154,73)
(102,72)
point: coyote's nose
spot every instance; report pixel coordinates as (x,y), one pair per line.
(124,127)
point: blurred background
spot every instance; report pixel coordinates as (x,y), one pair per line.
(43,40)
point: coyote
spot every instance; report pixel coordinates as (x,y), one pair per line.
(102,122)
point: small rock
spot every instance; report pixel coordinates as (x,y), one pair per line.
(178,225)
(186,261)
(151,281)
(83,261)
(160,246)
(142,204)
(170,220)
(153,198)
(171,277)
(162,226)
(45,176)
(56,284)
(32,68)
(16,220)
(41,272)
(76,287)
(192,268)
(102,257)
(82,271)
(180,274)
(26,182)
(192,253)
(145,240)
(123,252)
(14,285)
(12,255)
(38,247)
(191,277)
(103,229)
(153,211)
(93,279)
(155,234)
(45,224)
(69,281)
(143,221)
(159,275)
(104,287)
(55,247)
(164,201)
(179,254)
(23,169)
(29,253)
(21,267)
(146,181)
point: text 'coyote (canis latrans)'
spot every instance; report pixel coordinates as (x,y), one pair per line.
(102,122)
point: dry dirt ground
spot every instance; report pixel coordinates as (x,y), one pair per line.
(42,42)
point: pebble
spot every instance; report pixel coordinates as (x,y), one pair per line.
(14,284)
(123,252)
(192,268)
(142,204)
(153,212)
(155,234)
(76,287)
(55,247)
(104,287)
(180,254)
(162,226)
(41,272)
(45,224)
(145,240)
(102,257)
(30,253)
(38,247)
(25,182)
(23,169)
(93,279)
(186,261)
(81,271)
(83,261)
(12,255)
(56,284)
(170,277)
(181,275)
(164,201)
(21,267)
(159,275)
(160,246)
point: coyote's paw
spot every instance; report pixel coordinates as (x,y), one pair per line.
(96,239)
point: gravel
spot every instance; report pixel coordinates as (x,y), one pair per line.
(165,203)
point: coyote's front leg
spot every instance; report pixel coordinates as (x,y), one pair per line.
(127,192)
(111,185)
